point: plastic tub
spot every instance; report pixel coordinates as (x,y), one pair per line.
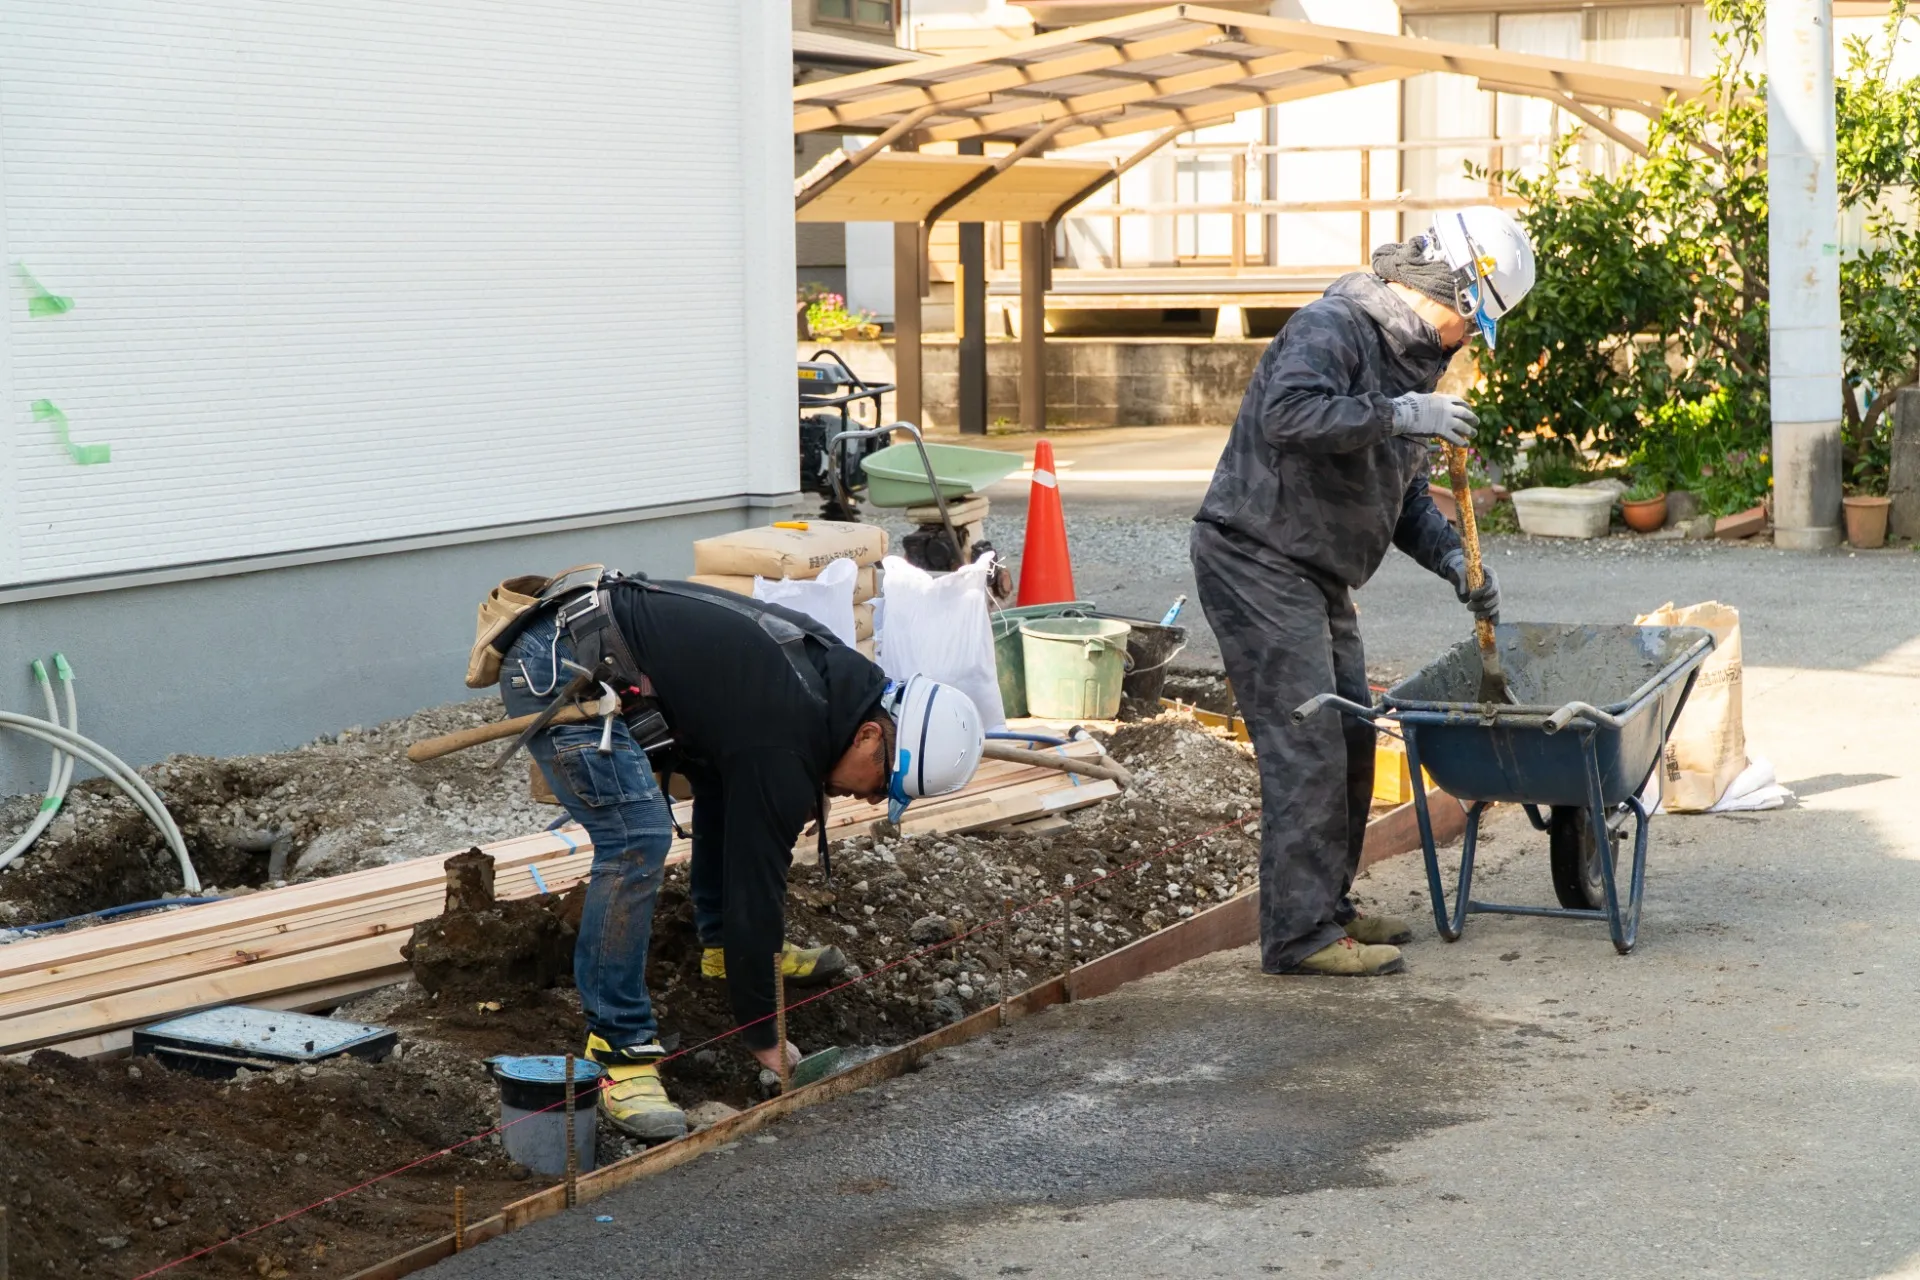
(532,1090)
(1563,513)
(896,477)
(1150,649)
(1074,667)
(1009,657)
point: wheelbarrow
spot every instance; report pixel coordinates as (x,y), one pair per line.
(1594,707)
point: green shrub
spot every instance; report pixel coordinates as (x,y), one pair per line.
(1645,338)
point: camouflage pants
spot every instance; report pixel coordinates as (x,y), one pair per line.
(1285,637)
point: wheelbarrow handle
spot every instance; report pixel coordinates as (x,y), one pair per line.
(1565,716)
(1311,707)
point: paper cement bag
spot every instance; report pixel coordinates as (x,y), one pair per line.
(1708,747)
(772,552)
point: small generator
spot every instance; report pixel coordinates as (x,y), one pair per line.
(832,397)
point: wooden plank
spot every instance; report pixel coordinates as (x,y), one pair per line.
(1234,923)
(238,986)
(249,943)
(274,903)
(99,978)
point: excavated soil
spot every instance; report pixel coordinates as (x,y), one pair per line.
(112,1167)
(344,802)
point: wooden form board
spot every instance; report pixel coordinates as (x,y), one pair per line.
(288,947)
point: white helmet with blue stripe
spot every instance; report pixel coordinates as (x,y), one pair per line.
(937,740)
(1492,261)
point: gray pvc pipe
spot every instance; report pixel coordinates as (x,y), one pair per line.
(60,774)
(120,774)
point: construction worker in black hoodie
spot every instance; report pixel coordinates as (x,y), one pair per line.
(1326,466)
(765,714)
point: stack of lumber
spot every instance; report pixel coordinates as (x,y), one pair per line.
(313,945)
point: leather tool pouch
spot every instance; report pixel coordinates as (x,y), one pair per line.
(502,614)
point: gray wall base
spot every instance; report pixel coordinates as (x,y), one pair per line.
(247,662)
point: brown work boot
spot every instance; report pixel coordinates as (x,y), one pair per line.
(1349,959)
(1379,930)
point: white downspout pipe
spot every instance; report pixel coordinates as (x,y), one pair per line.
(1803,260)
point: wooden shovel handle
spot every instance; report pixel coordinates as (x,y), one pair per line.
(448,743)
(1469,534)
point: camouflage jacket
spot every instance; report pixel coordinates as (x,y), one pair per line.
(1312,471)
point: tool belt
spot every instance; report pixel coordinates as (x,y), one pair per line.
(603,659)
(504,614)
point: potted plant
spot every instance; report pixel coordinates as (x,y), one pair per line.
(827,317)
(1645,504)
(1485,490)
(1865,504)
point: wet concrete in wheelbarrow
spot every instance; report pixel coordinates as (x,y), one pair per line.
(1323,1077)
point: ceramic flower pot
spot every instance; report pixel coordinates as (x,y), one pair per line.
(1866,521)
(1646,515)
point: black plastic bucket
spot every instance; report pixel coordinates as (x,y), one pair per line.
(1150,649)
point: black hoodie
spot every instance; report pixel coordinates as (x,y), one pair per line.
(758,744)
(1312,472)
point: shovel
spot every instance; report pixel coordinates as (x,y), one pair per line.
(1493,683)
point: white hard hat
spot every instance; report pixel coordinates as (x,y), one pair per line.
(937,740)
(1492,262)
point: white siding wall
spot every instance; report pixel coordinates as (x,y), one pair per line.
(347,270)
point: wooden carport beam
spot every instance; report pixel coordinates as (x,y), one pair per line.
(909,97)
(1000,165)
(1589,116)
(1206,113)
(1230,72)
(848,163)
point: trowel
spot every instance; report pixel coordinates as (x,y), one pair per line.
(1493,682)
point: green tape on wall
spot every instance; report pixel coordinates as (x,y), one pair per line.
(39,301)
(87,455)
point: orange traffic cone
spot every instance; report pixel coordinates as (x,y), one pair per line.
(1046,570)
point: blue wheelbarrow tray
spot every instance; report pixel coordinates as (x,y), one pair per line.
(1636,677)
(1593,706)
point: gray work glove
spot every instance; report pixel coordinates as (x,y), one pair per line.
(1432,415)
(1485,602)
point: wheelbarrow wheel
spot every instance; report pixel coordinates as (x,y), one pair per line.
(1576,863)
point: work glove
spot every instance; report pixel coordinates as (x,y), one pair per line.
(1432,415)
(1485,602)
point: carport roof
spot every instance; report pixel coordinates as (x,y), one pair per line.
(1183,66)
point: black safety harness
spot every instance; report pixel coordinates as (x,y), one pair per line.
(603,659)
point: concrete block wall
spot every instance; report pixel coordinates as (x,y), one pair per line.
(1106,382)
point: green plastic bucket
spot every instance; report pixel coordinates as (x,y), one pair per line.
(1074,667)
(1009,656)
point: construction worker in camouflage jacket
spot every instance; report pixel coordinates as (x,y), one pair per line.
(1327,465)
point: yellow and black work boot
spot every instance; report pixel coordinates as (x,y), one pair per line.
(1379,930)
(1349,959)
(805,968)
(634,1097)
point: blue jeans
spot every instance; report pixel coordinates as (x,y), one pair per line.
(616,799)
